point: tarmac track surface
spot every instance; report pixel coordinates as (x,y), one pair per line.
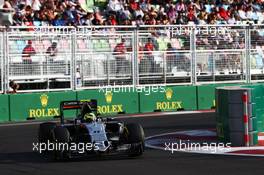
(17,157)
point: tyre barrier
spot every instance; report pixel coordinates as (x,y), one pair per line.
(239,114)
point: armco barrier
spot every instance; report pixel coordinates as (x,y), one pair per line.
(171,98)
(4,108)
(112,102)
(38,105)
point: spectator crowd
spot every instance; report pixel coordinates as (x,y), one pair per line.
(135,12)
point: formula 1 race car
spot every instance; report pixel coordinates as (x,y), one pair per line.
(89,134)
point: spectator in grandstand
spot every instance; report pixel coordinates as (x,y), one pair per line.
(98,19)
(52,50)
(112,20)
(149,57)
(138,12)
(120,56)
(114,6)
(181,19)
(170,57)
(27,52)
(7,5)
(181,7)
(87,19)
(172,14)
(125,14)
(152,12)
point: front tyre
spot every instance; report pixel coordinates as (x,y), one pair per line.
(135,137)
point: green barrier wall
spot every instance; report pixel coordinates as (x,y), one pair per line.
(38,105)
(112,102)
(169,99)
(206,95)
(4,108)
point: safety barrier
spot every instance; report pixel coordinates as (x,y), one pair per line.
(113,101)
(168,98)
(88,57)
(38,105)
(4,108)
(129,100)
(206,95)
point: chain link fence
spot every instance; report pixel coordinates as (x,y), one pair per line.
(41,56)
(104,56)
(53,58)
(257,53)
(164,56)
(220,53)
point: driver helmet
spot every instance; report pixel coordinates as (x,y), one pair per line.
(89,117)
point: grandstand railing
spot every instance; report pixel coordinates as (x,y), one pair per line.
(86,56)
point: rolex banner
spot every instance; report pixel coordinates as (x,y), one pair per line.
(39,105)
(168,99)
(112,101)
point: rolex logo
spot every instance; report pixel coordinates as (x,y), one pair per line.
(44,100)
(108,97)
(169,93)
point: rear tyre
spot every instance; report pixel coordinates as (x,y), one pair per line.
(135,137)
(62,137)
(45,132)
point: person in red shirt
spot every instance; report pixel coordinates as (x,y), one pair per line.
(133,5)
(120,55)
(149,48)
(223,14)
(27,52)
(112,20)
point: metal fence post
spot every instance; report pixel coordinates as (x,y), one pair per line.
(135,66)
(5,61)
(165,67)
(247,56)
(2,61)
(108,68)
(213,65)
(193,55)
(73,59)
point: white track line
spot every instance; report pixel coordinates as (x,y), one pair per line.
(164,113)
(229,153)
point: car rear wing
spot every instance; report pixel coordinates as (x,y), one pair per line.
(75,104)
